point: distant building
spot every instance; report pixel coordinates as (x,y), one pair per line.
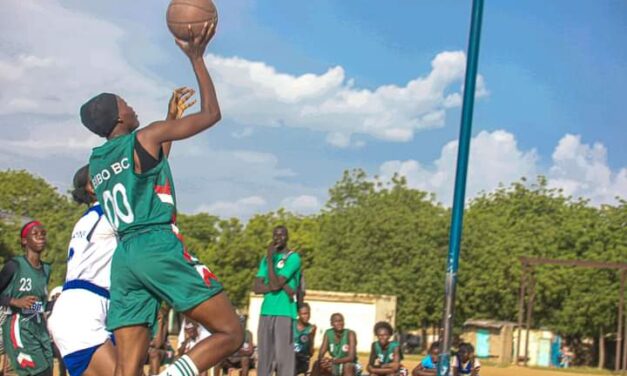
(498,341)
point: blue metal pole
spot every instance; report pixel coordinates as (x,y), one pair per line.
(457,216)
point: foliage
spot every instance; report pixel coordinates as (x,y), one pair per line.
(382,237)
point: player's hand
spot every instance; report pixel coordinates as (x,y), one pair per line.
(24,302)
(272,247)
(180,101)
(195,45)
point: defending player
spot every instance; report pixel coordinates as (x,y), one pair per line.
(133,182)
(77,323)
(24,283)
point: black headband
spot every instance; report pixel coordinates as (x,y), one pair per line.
(100,114)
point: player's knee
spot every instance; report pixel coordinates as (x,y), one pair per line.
(236,336)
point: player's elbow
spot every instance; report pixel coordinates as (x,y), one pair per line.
(211,117)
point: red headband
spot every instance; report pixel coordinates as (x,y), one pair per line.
(29,226)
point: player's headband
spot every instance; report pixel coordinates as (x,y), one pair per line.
(100,114)
(27,227)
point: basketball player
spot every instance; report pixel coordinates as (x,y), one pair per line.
(341,345)
(304,337)
(24,283)
(385,355)
(133,182)
(465,362)
(81,334)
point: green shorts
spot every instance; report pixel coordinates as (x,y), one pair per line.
(27,344)
(151,266)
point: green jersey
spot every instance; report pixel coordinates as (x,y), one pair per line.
(386,355)
(278,303)
(131,201)
(337,348)
(27,281)
(302,339)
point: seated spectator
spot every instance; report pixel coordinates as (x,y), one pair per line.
(566,356)
(465,362)
(429,365)
(191,333)
(304,335)
(243,359)
(341,345)
(385,355)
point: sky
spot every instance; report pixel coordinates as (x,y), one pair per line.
(310,89)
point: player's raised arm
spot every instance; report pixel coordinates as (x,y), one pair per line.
(152,136)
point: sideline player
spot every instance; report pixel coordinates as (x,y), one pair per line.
(385,355)
(24,283)
(304,337)
(134,184)
(341,345)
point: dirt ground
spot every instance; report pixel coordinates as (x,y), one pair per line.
(486,370)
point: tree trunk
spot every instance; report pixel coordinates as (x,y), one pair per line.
(423,333)
(601,350)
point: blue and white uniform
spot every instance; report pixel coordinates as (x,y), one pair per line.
(78,320)
(465,368)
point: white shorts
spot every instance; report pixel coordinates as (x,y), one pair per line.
(78,321)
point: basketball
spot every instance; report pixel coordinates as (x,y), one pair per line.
(190,12)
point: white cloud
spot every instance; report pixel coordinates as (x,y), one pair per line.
(304,204)
(244,207)
(48,72)
(494,158)
(579,169)
(255,93)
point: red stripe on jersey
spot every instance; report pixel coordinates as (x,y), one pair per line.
(164,189)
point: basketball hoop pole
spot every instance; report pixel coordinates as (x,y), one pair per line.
(457,216)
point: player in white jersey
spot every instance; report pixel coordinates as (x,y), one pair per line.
(78,320)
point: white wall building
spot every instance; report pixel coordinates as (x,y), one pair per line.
(361,312)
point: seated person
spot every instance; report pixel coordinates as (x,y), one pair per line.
(385,355)
(191,333)
(341,345)
(304,335)
(429,365)
(465,362)
(242,359)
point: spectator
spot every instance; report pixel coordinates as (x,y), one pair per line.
(341,344)
(429,365)
(277,279)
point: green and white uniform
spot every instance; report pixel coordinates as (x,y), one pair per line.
(386,355)
(151,263)
(338,348)
(302,339)
(275,333)
(25,336)
(302,347)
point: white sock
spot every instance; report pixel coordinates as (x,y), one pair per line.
(184,366)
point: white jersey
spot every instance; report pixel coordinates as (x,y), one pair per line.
(91,249)
(78,319)
(202,334)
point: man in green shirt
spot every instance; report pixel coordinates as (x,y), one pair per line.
(277,281)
